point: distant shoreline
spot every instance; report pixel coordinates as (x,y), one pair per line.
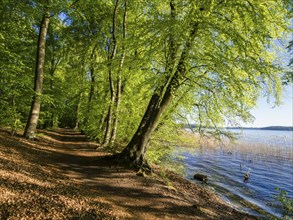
(272,128)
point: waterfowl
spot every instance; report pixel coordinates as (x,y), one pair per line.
(246,175)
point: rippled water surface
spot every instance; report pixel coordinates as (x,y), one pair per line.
(267,154)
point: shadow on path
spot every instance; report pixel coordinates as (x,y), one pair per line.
(138,197)
(65,156)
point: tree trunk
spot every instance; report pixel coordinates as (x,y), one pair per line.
(109,125)
(107,135)
(92,88)
(53,67)
(52,72)
(135,150)
(91,94)
(14,126)
(78,107)
(39,74)
(92,85)
(119,81)
(102,125)
(93,78)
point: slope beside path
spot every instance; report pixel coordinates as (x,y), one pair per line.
(61,175)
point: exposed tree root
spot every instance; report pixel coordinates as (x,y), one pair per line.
(137,165)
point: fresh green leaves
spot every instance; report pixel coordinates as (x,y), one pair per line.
(228,47)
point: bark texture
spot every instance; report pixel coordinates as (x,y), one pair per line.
(32,123)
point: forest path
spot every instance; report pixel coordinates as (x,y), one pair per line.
(132,196)
(62,176)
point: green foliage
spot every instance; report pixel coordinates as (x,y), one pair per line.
(285,203)
(165,145)
(288,76)
(16,55)
(230,62)
(162,154)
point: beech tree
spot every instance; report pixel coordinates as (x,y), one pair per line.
(48,8)
(112,54)
(120,70)
(126,88)
(115,91)
(219,48)
(88,33)
(39,75)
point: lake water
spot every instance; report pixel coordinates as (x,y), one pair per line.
(268,155)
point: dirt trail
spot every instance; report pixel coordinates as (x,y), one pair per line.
(62,169)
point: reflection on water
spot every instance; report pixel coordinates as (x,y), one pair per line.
(267,154)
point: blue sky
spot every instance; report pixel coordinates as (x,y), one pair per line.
(266,115)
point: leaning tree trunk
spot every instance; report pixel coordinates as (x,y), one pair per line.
(135,150)
(31,125)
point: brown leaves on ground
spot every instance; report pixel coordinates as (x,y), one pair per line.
(62,176)
(32,187)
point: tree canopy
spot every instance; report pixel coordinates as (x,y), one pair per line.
(122,70)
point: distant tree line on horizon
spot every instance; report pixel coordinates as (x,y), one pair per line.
(281,128)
